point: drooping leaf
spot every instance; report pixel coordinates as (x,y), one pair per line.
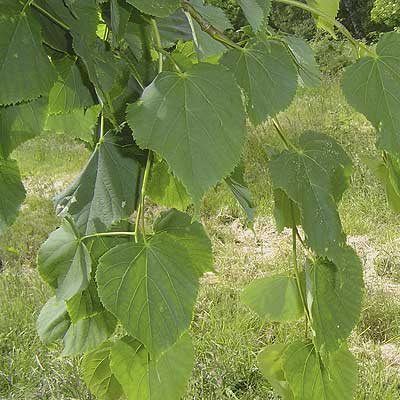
(307,67)
(13,192)
(256,12)
(69,91)
(64,262)
(191,235)
(106,190)
(285,211)
(120,14)
(21,122)
(25,70)
(97,373)
(192,129)
(334,296)
(79,123)
(328,7)
(145,379)
(86,334)
(372,87)
(159,8)
(268,76)
(310,378)
(53,321)
(151,288)
(315,178)
(270,362)
(274,298)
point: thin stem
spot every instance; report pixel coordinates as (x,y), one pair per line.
(143,192)
(157,39)
(168,55)
(107,234)
(101,133)
(288,144)
(356,44)
(27,4)
(208,28)
(137,222)
(50,16)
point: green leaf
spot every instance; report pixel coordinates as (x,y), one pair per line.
(372,87)
(53,321)
(64,262)
(159,8)
(192,129)
(307,67)
(11,185)
(334,296)
(274,298)
(25,70)
(106,190)
(97,373)
(86,334)
(315,178)
(191,235)
(79,123)
(120,14)
(11,7)
(70,90)
(256,12)
(312,379)
(270,362)
(284,211)
(151,288)
(328,7)
(143,378)
(268,76)
(173,28)
(166,190)
(20,123)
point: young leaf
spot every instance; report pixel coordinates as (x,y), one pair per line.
(53,321)
(328,7)
(372,87)
(13,192)
(311,378)
(20,123)
(315,178)
(274,298)
(191,235)
(270,362)
(334,295)
(64,262)
(106,190)
(256,12)
(143,378)
(20,47)
(97,373)
(151,288)
(158,8)
(191,128)
(166,190)
(268,76)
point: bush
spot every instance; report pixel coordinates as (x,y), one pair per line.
(386,12)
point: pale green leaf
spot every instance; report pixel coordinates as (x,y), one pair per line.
(191,127)
(268,76)
(106,190)
(270,362)
(53,321)
(97,373)
(64,262)
(191,235)
(70,90)
(25,70)
(311,378)
(372,87)
(328,7)
(256,12)
(151,288)
(143,378)
(315,178)
(159,8)
(13,192)
(166,190)
(21,122)
(274,298)
(334,296)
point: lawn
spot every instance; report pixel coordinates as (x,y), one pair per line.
(227,335)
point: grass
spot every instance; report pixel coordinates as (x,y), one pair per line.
(227,336)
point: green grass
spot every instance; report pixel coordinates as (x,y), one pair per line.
(227,336)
